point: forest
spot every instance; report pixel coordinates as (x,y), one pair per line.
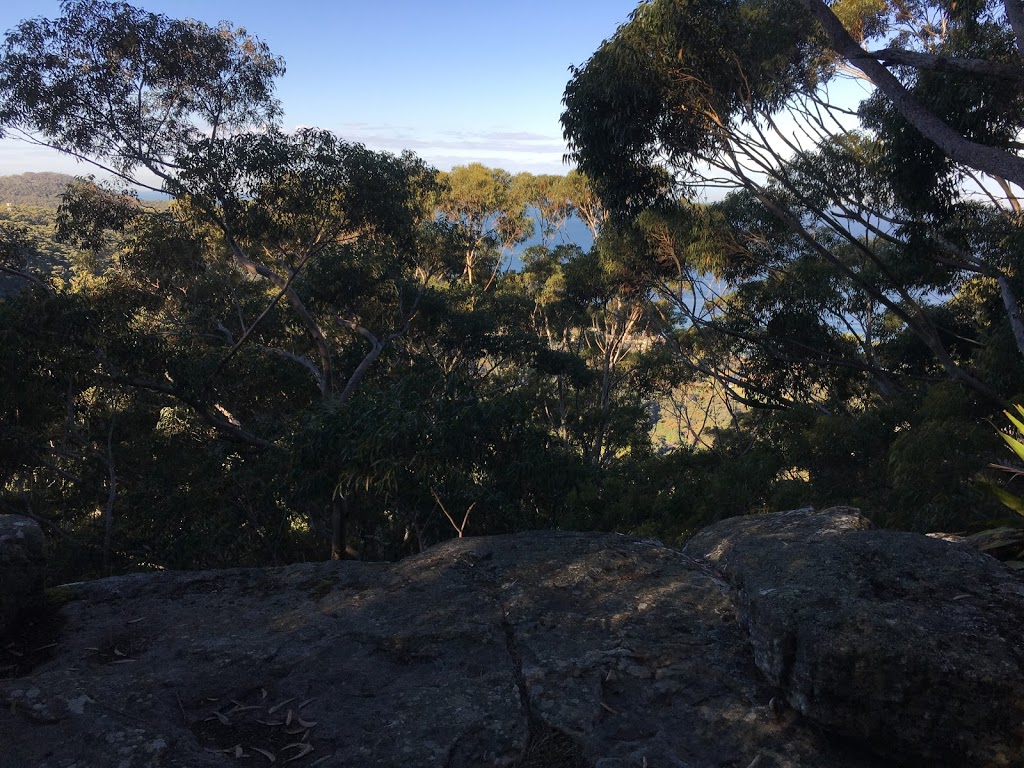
(309,349)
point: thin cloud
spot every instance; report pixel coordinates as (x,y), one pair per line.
(512,150)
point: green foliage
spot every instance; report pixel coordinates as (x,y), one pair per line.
(1006,541)
(316,347)
(41,191)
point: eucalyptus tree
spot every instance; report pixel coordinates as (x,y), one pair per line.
(830,197)
(298,258)
(491,210)
(737,102)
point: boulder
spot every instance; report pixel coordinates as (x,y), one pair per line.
(533,650)
(910,645)
(544,649)
(22,570)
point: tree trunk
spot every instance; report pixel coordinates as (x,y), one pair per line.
(1015,15)
(339,524)
(108,517)
(1012,310)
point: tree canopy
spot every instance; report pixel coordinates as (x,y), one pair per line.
(316,349)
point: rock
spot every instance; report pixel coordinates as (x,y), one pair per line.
(541,649)
(910,645)
(22,569)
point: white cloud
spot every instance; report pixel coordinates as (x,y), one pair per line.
(511,150)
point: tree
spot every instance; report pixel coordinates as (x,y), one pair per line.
(491,211)
(731,108)
(340,237)
(818,260)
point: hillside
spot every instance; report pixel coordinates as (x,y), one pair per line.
(40,189)
(29,201)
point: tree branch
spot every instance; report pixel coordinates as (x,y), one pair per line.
(979,156)
(930,61)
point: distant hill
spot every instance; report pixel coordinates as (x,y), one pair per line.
(42,189)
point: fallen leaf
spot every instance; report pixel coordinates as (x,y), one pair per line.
(307,701)
(276,707)
(136,621)
(288,717)
(118,653)
(264,752)
(304,749)
(305,723)
(222,717)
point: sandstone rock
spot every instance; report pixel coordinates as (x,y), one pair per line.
(22,569)
(545,649)
(911,645)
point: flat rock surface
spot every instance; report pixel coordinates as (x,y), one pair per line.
(543,649)
(907,643)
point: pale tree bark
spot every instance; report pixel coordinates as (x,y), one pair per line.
(1012,310)
(1015,15)
(312,328)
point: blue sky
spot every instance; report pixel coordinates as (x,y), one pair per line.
(456,81)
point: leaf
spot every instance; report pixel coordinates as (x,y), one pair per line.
(265,753)
(304,749)
(223,718)
(1015,445)
(1007,499)
(276,707)
(1014,420)
(996,538)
